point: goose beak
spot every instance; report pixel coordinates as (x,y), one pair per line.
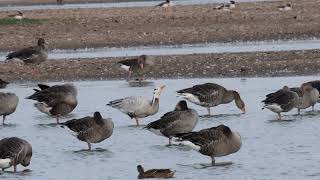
(243,110)
(162,87)
(141,65)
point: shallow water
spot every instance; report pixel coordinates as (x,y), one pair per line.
(257,46)
(136,3)
(271,149)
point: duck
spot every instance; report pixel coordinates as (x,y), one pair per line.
(180,120)
(18,16)
(138,106)
(214,142)
(31,55)
(286,7)
(57,100)
(211,95)
(3,84)
(167,3)
(90,129)
(14,151)
(137,65)
(9,102)
(154,173)
(226,7)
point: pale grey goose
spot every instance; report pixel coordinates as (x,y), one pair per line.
(314,84)
(91,129)
(180,120)
(211,95)
(57,100)
(138,106)
(14,151)
(3,83)
(214,142)
(8,104)
(226,7)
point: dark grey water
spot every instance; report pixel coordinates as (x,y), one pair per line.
(115,4)
(257,46)
(271,150)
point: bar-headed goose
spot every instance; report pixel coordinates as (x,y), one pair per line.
(138,106)
(286,7)
(91,129)
(167,3)
(3,83)
(211,95)
(8,104)
(180,120)
(154,173)
(214,142)
(14,151)
(57,100)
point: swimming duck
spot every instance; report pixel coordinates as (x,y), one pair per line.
(154,173)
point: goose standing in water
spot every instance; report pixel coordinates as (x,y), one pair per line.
(138,106)
(8,104)
(314,84)
(3,83)
(14,151)
(308,95)
(211,95)
(180,120)
(214,142)
(154,173)
(91,129)
(58,100)
(167,3)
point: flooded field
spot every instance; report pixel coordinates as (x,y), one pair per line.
(270,150)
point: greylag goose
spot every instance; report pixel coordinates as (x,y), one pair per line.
(18,16)
(286,7)
(90,129)
(314,84)
(211,95)
(180,120)
(214,142)
(3,83)
(58,100)
(14,151)
(154,173)
(137,65)
(138,106)
(308,95)
(31,55)
(167,3)
(8,105)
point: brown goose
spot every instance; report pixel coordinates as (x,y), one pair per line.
(8,105)
(180,120)
(91,129)
(214,142)
(211,95)
(314,84)
(154,173)
(308,95)
(138,106)
(3,83)
(58,100)
(14,151)
(59,2)
(18,16)
(31,55)
(137,65)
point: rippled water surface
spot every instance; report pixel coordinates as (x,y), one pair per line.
(271,149)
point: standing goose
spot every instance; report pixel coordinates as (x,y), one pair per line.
(8,104)
(154,173)
(18,16)
(3,83)
(214,142)
(91,129)
(14,151)
(314,84)
(180,120)
(167,3)
(138,106)
(226,7)
(308,96)
(31,55)
(211,95)
(58,100)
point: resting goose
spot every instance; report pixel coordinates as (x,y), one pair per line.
(3,83)
(167,3)
(14,151)
(308,96)
(214,142)
(180,120)
(8,104)
(58,100)
(286,7)
(314,84)
(138,106)
(91,129)
(154,173)
(31,55)
(211,95)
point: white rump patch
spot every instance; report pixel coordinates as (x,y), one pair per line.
(43,107)
(125,67)
(5,163)
(274,107)
(191,145)
(190,97)
(156,131)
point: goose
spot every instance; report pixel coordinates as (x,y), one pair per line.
(154,173)
(214,142)
(308,95)
(180,120)
(167,3)
(138,106)
(31,55)
(226,7)
(314,84)
(8,105)
(90,129)
(57,100)
(14,151)
(286,7)
(3,83)
(136,65)
(18,16)
(211,95)
(59,2)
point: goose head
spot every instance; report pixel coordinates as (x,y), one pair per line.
(239,102)
(157,91)
(27,158)
(181,106)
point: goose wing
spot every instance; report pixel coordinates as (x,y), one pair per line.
(23,54)
(131,104)
(13,148)
(205,92)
